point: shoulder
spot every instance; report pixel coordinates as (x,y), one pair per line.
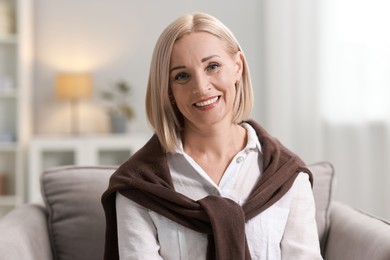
(148,163)
(301,188)
(302,180)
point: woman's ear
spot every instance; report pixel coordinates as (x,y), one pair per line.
(239,60)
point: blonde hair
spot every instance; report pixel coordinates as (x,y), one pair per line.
(164,117)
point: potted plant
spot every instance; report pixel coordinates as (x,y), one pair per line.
(118,105)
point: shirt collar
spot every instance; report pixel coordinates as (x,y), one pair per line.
(253,142)
(179,148)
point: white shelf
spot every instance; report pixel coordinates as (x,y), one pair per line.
(7,200)
(8,39)
(8,146)
(15,104)
(48,152)
(11,93)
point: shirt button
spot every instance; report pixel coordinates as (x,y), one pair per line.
(240,159)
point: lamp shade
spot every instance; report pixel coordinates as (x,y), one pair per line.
(73,86)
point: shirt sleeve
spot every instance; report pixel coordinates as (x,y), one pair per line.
(137,235)
(300,239)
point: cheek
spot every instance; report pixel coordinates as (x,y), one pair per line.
(180,95)
(226,84)
(226,77)
(176,93)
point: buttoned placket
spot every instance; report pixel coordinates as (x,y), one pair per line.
(232,173)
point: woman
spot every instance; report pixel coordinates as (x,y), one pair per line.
(209,184)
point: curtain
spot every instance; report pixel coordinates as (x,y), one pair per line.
(326,89)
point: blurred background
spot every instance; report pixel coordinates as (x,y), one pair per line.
(320,71)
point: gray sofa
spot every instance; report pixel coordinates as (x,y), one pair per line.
(71,224)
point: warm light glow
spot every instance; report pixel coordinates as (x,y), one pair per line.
(88,45)
(73,86)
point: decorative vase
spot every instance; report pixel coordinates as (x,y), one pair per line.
(118,123)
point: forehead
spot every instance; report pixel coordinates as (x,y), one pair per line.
(197,45)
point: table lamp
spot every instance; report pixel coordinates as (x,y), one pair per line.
(73,86)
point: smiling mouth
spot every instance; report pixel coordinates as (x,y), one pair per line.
(207,102)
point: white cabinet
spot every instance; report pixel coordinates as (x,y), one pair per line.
(15,79)
(85,151)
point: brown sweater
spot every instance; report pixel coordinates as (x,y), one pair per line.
(145,179)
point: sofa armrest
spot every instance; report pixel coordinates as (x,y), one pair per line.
(24,234)
(354,235)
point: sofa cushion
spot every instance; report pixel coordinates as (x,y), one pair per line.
(23,234)
(76,218)
(75,215)
(363,235)
(323,174)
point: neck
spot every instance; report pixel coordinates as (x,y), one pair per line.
(219,140)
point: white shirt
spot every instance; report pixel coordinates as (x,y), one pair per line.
(286,230)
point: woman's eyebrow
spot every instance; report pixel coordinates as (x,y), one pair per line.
(177,68)
(202,60)
(208,58)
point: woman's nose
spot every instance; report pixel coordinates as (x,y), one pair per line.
(202,85)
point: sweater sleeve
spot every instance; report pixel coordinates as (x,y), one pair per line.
(137,235)
(300,239)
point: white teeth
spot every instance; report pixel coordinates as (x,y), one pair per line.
(207,102)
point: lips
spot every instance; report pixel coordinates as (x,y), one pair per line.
(207,102)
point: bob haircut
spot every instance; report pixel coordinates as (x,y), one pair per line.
(163,116)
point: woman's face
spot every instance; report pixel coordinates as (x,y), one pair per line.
(202,79)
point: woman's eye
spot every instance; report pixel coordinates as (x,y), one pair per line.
(182,76)
(213,66)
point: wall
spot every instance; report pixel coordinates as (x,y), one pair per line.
(114,40)
(282,41)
